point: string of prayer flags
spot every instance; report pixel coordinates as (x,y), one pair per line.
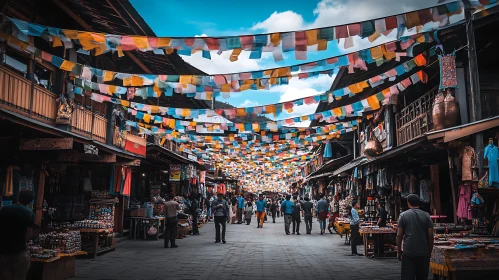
(276,43)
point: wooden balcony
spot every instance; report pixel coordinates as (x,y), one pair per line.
(415,119)
(87,124)
(19,95)
(15,95)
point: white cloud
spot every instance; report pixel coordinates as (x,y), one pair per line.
(285,21)
(249,103)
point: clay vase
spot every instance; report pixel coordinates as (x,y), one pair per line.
(438,112)
(373,148)
(451,110)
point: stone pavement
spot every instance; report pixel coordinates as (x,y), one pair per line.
(250,253)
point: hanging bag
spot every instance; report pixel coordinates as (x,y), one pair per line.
(484,181)
(152,231)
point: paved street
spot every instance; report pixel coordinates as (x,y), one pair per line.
(250,253)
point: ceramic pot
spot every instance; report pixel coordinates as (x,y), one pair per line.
(451,110)
(438,112)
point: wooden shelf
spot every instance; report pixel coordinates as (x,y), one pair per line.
(45,260)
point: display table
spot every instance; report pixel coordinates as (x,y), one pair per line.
(141,225)
(369,236)
(59,268)
(97,241)
(466,258)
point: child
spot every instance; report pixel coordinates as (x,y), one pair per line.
(248,212)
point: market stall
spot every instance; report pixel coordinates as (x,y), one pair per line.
(464,256)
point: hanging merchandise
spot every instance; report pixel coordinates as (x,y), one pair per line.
(448,75)
(468,158)
(463,206)
(491,153)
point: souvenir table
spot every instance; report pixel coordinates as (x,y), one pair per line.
(369,234)
(465,257)
(141,225)
(60,267)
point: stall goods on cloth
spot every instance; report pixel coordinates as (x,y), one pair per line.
(37,252)
(94,224)
(63,242)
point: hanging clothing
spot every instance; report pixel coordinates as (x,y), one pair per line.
(492,154)
(9,181)
(464,202)
(424,191)
(128,181)
(468,159)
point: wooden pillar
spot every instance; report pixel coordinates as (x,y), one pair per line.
(435,181)
(474,83)
(453,185)
(40,192)
(110,124)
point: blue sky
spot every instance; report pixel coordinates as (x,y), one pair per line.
(224,17)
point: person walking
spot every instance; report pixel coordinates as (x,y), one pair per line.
(273,210)
(354,227)
(208,210)
(260,210)
(296,216)
(17,222)
(240,209)
(220,209)
(307,214)
(334,212)
(194,213)
(233,210)
(171,207)
(287,211)
(248,212)
(415,228)
(322,208)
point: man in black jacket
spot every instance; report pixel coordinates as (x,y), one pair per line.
(273,210)
(194,213)
(307,214)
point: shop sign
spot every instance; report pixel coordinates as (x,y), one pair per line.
(45,144)
(175,172)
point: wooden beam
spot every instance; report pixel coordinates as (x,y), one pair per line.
(126,21)
(45,144)
(72,156)
(88,27)
(435,181)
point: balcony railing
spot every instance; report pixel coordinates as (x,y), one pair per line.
(90,125)
(16,95)
(415,119)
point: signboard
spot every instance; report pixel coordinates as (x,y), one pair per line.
(45,144)
(175,172)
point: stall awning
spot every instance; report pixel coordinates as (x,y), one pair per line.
(351,165)
(327,168)
(170,156)
(457,132)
